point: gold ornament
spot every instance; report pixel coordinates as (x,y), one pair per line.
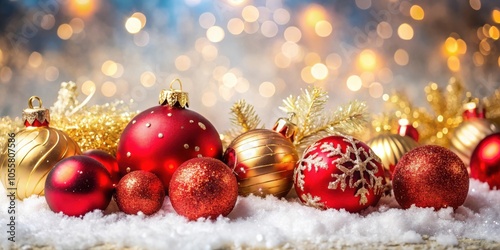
(263,162)
(37,148)
(390,148)
(466,137)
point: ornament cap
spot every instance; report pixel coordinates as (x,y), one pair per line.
(36,116)
(286,127)
(174,97)
(405,128)
(473,108)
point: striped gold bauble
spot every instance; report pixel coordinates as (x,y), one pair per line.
(33,152)
(263,162)
(468,134)
(390,148)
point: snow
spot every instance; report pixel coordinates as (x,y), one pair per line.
(256,222)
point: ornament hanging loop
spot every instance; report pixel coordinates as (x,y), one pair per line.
(33,98)
(172,84)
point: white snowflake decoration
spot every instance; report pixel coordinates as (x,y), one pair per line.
(307,164)
(364,164)
(312,201)
(366,169)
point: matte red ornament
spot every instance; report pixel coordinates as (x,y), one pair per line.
(78,185)
(108,161)
(430,176)
(139,191)
(485,161)
(339,172)
(161,138)
(203,187)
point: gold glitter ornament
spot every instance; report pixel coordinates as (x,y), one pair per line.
(37,148)
(390,148)
(263,161)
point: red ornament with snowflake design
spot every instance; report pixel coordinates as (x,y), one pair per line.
(339,172)
(161,138)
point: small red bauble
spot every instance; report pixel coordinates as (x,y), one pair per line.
(161,138)
(78,185)
(203,187)
(140,191)
(339,172)
(108,161)
(485,161)
(430,176)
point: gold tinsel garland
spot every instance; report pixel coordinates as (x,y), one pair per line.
(308,112)
(94,127)
(435,126)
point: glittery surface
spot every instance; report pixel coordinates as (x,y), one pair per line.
(77,185)
(139,191)
(485,161)
(203,187)
(161,138)
(430,176)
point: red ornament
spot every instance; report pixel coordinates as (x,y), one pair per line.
(140,191)
(161,138)
(108,161)
(406,129)
(485,161)
(203,187)
(430,176)
(339,172)
(78,185)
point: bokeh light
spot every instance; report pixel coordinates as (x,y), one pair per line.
(367,60)
(417,12)
(405,31)
(354,83)
(133,25)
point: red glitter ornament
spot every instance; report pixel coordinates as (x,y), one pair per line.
(430,176)
(203,187)
(161,138)
(108,161)
(339,172)
(140,191)
(78,185)
(485,161)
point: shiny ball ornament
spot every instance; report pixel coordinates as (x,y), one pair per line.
(263,161)
(471,131)
(203,187)
(485,161)
(390,148)
(430,176)
(140,191)
(108,161)
(36,149)
(339,172)
(78,185)
(161,138)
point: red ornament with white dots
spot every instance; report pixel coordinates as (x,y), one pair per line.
(161,138)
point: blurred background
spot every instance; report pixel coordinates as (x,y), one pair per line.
(261,51)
